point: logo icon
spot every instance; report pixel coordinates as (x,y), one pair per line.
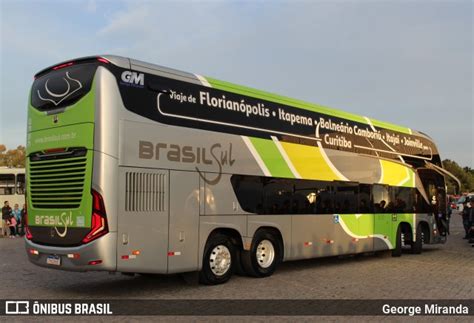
(133,78)
(66,221)
(72,86)
(17,307)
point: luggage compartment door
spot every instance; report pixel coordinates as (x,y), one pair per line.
(184,222)
(142,239)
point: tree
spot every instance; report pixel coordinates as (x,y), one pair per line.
(12,157)
(465,176)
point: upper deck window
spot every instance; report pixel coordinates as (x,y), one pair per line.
(62,87)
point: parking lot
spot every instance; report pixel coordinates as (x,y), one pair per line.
(440,272)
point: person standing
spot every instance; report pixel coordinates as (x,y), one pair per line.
(465,217)
(17,214)
(6,212)
(12,223)
(470,221)
(448,215)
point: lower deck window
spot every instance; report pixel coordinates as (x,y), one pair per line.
(269,195)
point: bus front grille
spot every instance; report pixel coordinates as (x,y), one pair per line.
(57,183)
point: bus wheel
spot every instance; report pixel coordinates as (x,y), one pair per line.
(264,255)
(417,245)
(219,260)
(397,251)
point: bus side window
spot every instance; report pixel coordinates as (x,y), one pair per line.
(421,206)
(277,196)
(382,199)
(249,192)
(403,201)
(346,197)
(366,204)
(311,197)
(7,184)
(20,184)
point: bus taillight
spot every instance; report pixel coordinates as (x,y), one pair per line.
(28,234)
(58,67)
(103,60)
(99,219)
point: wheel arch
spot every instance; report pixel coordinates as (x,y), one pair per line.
(234,235)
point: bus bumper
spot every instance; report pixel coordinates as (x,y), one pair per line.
(98,255)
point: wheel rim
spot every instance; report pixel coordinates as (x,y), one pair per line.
(220,260)
(265,253)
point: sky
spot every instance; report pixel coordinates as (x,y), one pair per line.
(405,62)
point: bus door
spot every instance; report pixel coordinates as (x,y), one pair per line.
(434,185)
(142,239)
(383,230)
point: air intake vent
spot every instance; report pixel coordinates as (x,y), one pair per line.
(57,183)
(144,192)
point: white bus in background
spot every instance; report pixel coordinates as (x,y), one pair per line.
(12,186)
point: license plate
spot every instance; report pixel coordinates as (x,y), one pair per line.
(53,260)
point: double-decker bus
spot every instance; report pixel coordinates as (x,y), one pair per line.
(139,168)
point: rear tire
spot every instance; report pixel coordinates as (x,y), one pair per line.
(264,255)
(219,260)
(417,246)
(397,251)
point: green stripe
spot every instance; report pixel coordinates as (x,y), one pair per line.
(243,90)
(390,126)
(272,158)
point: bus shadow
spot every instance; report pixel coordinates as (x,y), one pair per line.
(314,263)
(120,286)
(147,285)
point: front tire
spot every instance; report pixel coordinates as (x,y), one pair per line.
(219,260)
(264,255)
